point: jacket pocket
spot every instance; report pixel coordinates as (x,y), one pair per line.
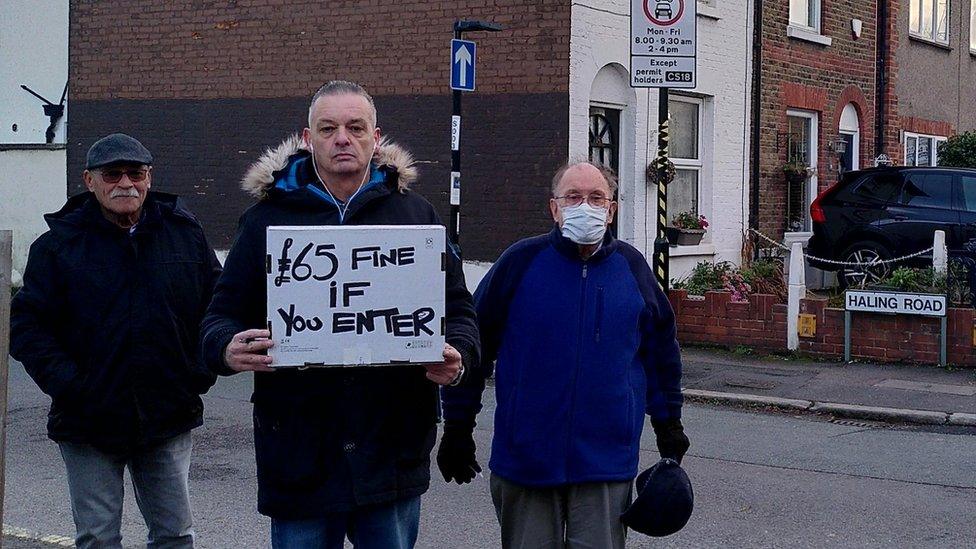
(598,319)
(287,446)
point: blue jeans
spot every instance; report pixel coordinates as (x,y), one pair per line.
(160,476)
(386,526)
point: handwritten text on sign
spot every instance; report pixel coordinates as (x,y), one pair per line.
(355,295)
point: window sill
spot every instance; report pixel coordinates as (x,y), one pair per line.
(686,251)
(32,146)
(808,35)
(928,41)
(708,12)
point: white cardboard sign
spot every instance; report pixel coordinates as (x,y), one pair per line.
(356,295)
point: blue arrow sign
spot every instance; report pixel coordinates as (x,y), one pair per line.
(462,65)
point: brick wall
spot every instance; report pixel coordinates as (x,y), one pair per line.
(761,324)
(138,49)
(207,86)
(823,79)
(203,147)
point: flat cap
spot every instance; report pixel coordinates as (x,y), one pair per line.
(115,149)
(665,500)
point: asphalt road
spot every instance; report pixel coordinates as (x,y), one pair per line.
(761,480)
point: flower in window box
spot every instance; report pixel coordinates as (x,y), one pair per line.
(688,229)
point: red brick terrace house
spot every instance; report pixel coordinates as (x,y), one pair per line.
(818,78)
(837,90)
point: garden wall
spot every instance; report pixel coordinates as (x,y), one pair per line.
(761,323)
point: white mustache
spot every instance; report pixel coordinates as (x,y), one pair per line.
(131,192)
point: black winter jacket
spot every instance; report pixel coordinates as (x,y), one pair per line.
(107,323)
(332,439)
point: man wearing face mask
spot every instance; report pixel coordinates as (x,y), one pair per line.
(584,345)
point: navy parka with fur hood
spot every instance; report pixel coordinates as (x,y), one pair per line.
(329,440)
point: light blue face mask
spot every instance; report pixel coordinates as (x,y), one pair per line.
(584,224)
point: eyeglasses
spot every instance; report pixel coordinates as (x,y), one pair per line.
(575,199)
(114,175)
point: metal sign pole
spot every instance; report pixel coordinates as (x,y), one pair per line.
(661,244)
(455,222)
(463,61)
(663,55)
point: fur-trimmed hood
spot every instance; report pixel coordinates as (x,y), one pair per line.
(263,174)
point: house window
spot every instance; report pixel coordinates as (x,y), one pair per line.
(604,132)
(922,150)
(929,19)
(801,148)
(685,151)
(805,13)
(972,26)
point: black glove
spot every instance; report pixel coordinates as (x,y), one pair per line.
(671,439)
(455,456)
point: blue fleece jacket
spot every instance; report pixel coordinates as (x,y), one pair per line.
(582,350)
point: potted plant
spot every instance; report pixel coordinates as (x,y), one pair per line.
(688,229)
(796,171)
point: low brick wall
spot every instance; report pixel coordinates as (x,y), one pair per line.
(761,323)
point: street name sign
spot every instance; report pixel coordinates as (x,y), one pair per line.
(462,65)
(355,295)
(895,303)
(663,43)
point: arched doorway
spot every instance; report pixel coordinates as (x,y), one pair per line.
(612,110)
(850,135)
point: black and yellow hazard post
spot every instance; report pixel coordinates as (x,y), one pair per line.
(665,172)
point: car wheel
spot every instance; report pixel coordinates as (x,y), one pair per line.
(868,253)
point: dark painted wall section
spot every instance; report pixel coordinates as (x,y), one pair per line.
(510,144)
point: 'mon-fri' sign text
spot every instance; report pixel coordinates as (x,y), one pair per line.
(355,295)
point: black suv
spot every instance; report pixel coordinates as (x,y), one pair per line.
(888,212)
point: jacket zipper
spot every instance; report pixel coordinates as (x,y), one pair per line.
(579,361)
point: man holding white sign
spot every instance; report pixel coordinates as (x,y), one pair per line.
(341,451)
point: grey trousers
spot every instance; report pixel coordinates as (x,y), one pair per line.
(574,516)
(160,476)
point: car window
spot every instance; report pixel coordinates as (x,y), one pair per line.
(927,189)
(969,192)
(880,187)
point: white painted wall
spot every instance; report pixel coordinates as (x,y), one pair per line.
(600,37)
(33,52)
(31,184)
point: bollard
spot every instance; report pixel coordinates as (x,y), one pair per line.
(797,289)
(940,257)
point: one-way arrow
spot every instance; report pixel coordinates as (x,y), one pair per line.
(462,57)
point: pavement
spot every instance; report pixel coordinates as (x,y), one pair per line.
(896,393)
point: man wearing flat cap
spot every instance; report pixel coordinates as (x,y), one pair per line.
(107,325)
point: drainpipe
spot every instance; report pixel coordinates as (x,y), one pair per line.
(756,104)
(881,81)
